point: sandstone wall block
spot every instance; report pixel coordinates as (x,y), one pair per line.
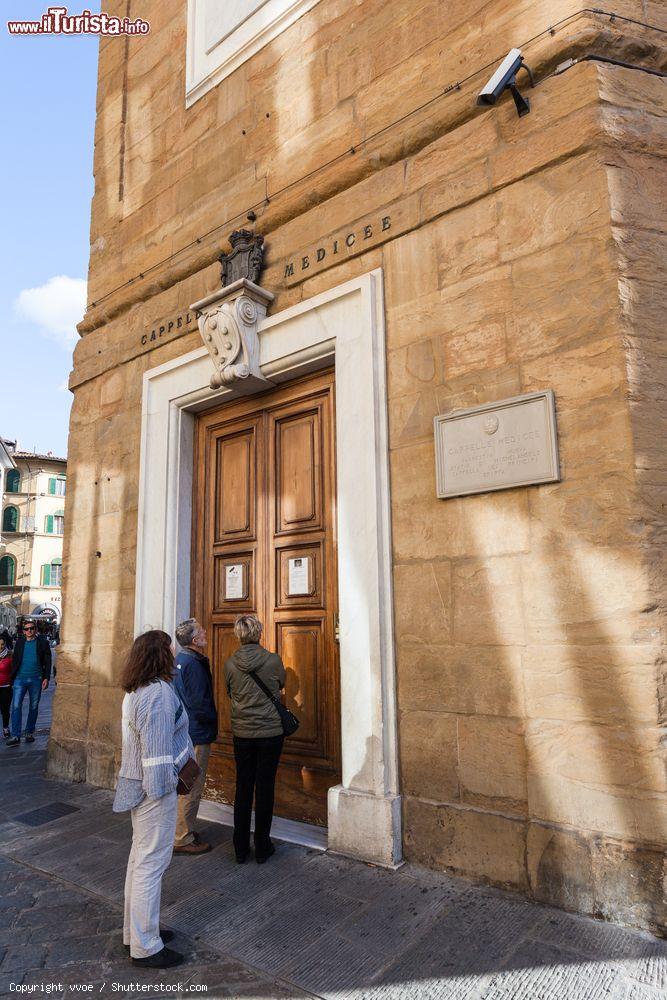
(471,680)
(488,601)
(430,755)
(70,712)
(428,620)
(493,763)
(466,841)
(67,759)
(560,867)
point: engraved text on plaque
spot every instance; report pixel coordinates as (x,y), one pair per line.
(496,446)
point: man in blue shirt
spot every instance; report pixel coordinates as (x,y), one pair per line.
(31,670)
(194,686)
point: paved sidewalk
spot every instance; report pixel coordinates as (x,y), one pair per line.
(305,924)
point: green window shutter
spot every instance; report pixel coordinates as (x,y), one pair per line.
(49,524)
(46,576)
(10,519)
(52,487)
(6,571)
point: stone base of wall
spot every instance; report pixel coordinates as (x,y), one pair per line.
(72,760)
(618,880)
(67,760)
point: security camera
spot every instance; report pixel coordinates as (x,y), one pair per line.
(505,73)
(504,79)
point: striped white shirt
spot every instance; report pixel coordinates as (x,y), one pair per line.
(156,745)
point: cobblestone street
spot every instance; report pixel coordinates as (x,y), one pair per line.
(307,924)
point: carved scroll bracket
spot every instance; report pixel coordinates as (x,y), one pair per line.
(228,323)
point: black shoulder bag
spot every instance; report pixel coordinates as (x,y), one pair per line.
(289,722)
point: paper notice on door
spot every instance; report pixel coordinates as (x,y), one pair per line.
(299,576)
(234,588)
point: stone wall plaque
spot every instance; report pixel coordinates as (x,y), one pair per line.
(497,446)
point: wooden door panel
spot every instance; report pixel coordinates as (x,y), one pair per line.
(265,495)
(235,475)
(299,645)
(298,472)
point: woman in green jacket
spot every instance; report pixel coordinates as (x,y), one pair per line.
(258,736)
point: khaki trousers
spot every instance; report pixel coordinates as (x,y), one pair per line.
(188,805)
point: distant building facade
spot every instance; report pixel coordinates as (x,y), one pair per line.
(7,611)
(33,524)
(7,463)
(479,671)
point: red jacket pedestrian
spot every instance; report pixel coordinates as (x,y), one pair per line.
(5,685)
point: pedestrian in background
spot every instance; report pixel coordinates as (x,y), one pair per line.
(31,669)
(5,685)
(193,684)
(258,736)
(156,745)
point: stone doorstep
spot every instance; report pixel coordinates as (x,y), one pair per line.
(304,834)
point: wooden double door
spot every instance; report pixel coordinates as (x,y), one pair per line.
(264,543)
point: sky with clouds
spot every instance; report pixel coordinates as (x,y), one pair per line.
(46,184)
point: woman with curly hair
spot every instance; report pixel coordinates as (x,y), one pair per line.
(156,745)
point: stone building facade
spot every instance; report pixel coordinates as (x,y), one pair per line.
(33,525)
(6,464)
(499,671)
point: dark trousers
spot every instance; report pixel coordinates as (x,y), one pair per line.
(256,766)
(5,702)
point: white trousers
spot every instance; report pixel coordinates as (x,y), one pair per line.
(153,826)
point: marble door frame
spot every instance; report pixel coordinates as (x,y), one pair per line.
(343,326)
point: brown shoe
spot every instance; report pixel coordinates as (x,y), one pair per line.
(200,848)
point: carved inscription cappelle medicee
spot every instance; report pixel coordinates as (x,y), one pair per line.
(346,243)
